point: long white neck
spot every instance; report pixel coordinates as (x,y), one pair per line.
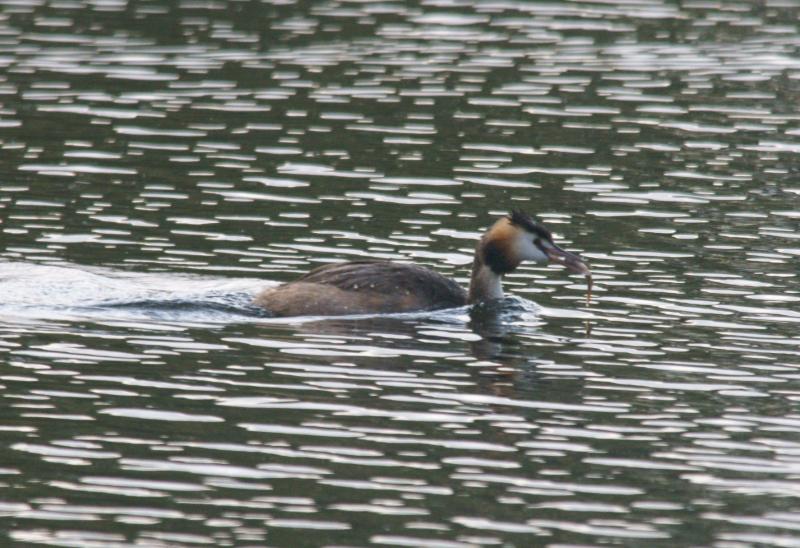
(484,285)
(498,252)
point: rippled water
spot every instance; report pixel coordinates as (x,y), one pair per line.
(161,162)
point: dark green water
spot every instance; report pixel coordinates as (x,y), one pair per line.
(162,162)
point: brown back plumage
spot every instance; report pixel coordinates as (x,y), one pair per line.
(389,278)
(363,287)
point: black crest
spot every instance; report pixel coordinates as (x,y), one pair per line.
(526,222)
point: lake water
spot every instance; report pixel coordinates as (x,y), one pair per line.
(163,161)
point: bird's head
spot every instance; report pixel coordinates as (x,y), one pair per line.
(517,237)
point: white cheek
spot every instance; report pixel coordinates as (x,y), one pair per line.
(527,251)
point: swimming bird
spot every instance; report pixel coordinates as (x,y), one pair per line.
(376,287)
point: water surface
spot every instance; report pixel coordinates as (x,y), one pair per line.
(162,162)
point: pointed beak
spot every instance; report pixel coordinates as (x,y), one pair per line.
(573,262)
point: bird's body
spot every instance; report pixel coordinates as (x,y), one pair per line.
(377,287)
(363,287)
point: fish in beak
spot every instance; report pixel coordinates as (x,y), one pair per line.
(572,262)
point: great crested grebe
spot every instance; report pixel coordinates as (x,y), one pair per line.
(374,287)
